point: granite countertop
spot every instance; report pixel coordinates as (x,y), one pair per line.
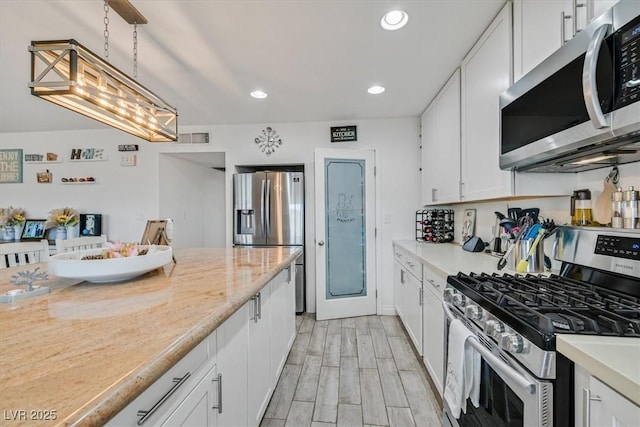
(86,350)
(613,360)
(449,258)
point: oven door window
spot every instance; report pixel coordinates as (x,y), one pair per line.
(499,405)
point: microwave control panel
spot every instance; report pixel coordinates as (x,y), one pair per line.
(628,63)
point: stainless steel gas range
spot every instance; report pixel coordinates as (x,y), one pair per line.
(514,320)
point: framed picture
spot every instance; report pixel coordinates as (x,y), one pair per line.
(155,233)
(468,224)
(90,225)
(33,229)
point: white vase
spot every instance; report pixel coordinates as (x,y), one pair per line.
(17,230)
(61,233)
(72,231)
(8,233)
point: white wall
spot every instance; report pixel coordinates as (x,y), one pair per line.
(193,195)
(162,186)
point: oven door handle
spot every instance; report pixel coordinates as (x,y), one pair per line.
(496,363)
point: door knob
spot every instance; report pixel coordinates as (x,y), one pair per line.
(321,243)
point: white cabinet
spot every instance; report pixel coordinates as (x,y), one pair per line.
(233,351)
(429,140)
(486,72)
(542,26)
(604,407)
(283,320)
(433,326)
(172,390)
(408,294)
(261,337)
(441,145)
(199,408)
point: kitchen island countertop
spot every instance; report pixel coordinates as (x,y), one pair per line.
(84,351)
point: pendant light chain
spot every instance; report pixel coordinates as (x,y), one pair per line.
(135,50)
(106,29)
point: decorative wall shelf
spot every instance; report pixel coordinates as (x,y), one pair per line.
(42,162)
(79,183)
(70,160)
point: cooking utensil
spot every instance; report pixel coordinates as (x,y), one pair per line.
(503,259)
(531,213)
(602,207)
(523,264)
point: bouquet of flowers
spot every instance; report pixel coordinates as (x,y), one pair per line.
(63,217)
(11,216)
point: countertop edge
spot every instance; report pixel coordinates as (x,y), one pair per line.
(106,405)
(600,369)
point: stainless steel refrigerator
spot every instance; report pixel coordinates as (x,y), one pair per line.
(269,211)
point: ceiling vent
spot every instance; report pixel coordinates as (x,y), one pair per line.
(193,138)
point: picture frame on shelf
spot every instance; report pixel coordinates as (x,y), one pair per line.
(468,224)
(34,229)
(155,233)
(90,225)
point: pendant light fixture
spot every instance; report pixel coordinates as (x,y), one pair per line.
(68,74)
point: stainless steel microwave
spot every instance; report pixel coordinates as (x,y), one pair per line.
(580,108)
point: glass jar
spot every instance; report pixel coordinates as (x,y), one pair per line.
(617,209)
(631,218)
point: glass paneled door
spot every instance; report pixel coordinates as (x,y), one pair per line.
(345,233)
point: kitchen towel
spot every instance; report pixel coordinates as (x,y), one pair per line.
(463,370)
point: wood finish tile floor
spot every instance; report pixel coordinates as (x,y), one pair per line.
(359,371)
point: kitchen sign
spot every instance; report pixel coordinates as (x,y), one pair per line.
(344,133)
(11,166)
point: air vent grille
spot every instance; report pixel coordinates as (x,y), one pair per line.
(193,138)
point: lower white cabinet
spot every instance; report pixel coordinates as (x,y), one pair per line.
(604,407)
(283,296)
(260,343)
(200,406)
(233,354)
(433,327)
(408,294)
(158,402)
(229,378)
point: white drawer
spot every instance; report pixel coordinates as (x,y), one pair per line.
(408,261)
(182,376)
(433,282)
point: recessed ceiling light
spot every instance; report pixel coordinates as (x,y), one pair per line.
(375,90)
(259,94)
(394,20)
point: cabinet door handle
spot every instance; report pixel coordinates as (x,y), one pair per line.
(563,17)
(402,276)
(289,273)
(146,414)
(254,311)
(259,305)
(421,294)
(434,194)
(219,405)
(586,406)
(576,5)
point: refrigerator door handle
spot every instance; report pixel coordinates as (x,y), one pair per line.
(262,200)
(268,208)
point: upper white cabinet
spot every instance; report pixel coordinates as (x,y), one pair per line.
(441,145)
(542,26)
(486,72)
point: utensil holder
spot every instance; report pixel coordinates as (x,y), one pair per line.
(520,252)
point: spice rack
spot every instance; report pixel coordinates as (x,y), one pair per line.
(434,225)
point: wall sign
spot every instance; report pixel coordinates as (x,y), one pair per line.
(344,133)
(11,166)
(128,147)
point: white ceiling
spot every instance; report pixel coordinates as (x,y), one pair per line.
(314,58)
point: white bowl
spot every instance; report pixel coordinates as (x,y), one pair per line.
(70,264)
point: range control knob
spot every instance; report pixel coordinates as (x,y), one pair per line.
(493,328)
(511,342)
(473,312)
(448,294)
(459,300)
